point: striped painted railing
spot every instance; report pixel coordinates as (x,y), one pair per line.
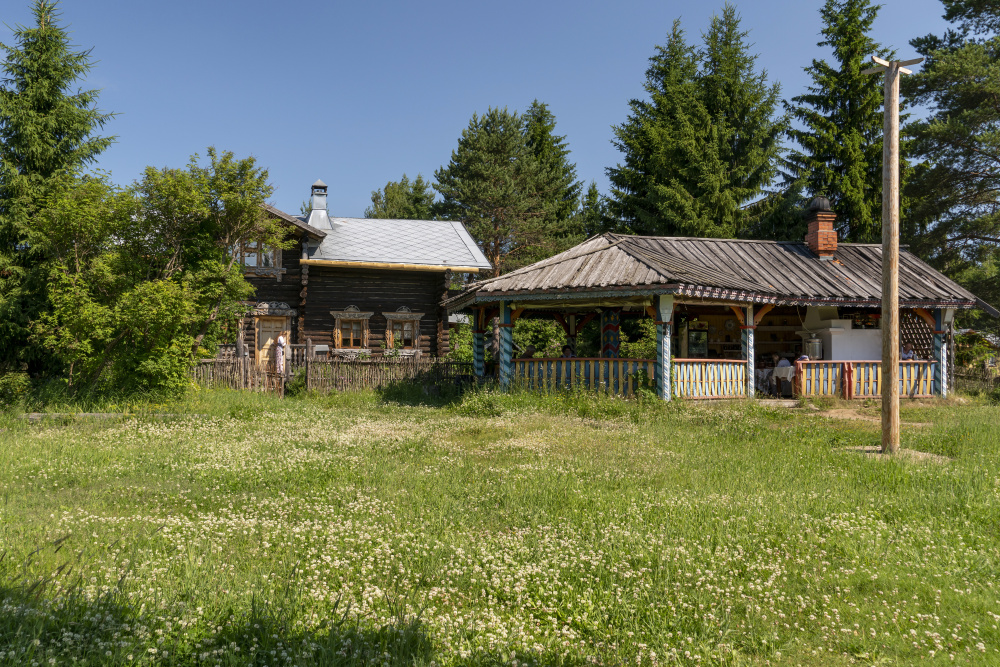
(820,378)
(605,375)
(861,379)
(710,378)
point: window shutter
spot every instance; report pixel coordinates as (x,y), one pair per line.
(338,336)
(364,333)
(389,340)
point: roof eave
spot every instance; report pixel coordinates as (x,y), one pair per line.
(308,230)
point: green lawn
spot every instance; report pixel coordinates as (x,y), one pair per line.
(497,530)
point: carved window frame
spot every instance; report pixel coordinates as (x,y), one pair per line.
(402,314)
(350,314)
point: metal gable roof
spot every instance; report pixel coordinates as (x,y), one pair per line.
(742,270)
(418,242)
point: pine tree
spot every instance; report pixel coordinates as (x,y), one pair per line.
(552,153)
(841,122)
(954,216)
(47,131)
(496,187)
(403,200)
(706,142)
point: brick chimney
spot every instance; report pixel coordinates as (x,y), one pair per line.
(821,236)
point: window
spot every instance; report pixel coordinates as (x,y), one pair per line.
(350,329)
(258,256)
(402,329)
(403,333)
(351,333)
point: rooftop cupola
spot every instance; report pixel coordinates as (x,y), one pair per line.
(319,217)
(821,237)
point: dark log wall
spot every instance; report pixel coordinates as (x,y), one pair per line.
(376,291)
(288,290)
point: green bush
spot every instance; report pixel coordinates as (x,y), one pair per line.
(13,388)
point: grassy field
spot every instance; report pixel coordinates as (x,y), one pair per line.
(498,530)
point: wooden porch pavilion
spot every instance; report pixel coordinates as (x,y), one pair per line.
(719,305)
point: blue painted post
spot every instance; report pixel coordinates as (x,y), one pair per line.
(479,343)
(940,355)
(664,305)
(505,364)
(748,348)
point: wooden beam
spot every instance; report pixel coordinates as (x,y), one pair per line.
(586,318)
(652,313)
(759,315)
(516,313)
(562,322)
(926,316)
(739,315)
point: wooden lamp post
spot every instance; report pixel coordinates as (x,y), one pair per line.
(890,249)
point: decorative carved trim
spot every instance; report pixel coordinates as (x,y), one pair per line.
(351,313)
(403,313)
(274,308)
(256,271)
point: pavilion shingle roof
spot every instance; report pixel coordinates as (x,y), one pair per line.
(738,270)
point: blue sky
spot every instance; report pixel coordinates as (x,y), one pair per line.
(357,93)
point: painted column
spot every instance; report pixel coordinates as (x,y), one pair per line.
(479,342)
(611,319)
(748,347)
(940,354)
(664,305)
(571,332)
(505,364)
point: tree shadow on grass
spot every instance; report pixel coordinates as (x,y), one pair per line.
(61,618)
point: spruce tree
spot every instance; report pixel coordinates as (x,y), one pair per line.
(656,188)
(745,128)
(840,132)
(953,219)
(552,152)
(499,190)
(593,212)
(706,142)
(403,200)
(47,133)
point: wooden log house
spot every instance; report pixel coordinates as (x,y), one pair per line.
(722,308)
(362,287)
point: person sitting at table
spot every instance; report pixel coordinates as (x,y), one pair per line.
(567,351)
(779,362)
(803,357)
(907,354)
(529,352)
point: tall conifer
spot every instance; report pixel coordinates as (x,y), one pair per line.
(499,190)
(706,142)
(840,132)
(47,132)
(552,152)
(954,217)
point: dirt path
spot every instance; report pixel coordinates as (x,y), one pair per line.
(853,414)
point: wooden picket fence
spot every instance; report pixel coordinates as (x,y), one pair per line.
(324,376)
(861,379)
(339,375)
(603,375)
